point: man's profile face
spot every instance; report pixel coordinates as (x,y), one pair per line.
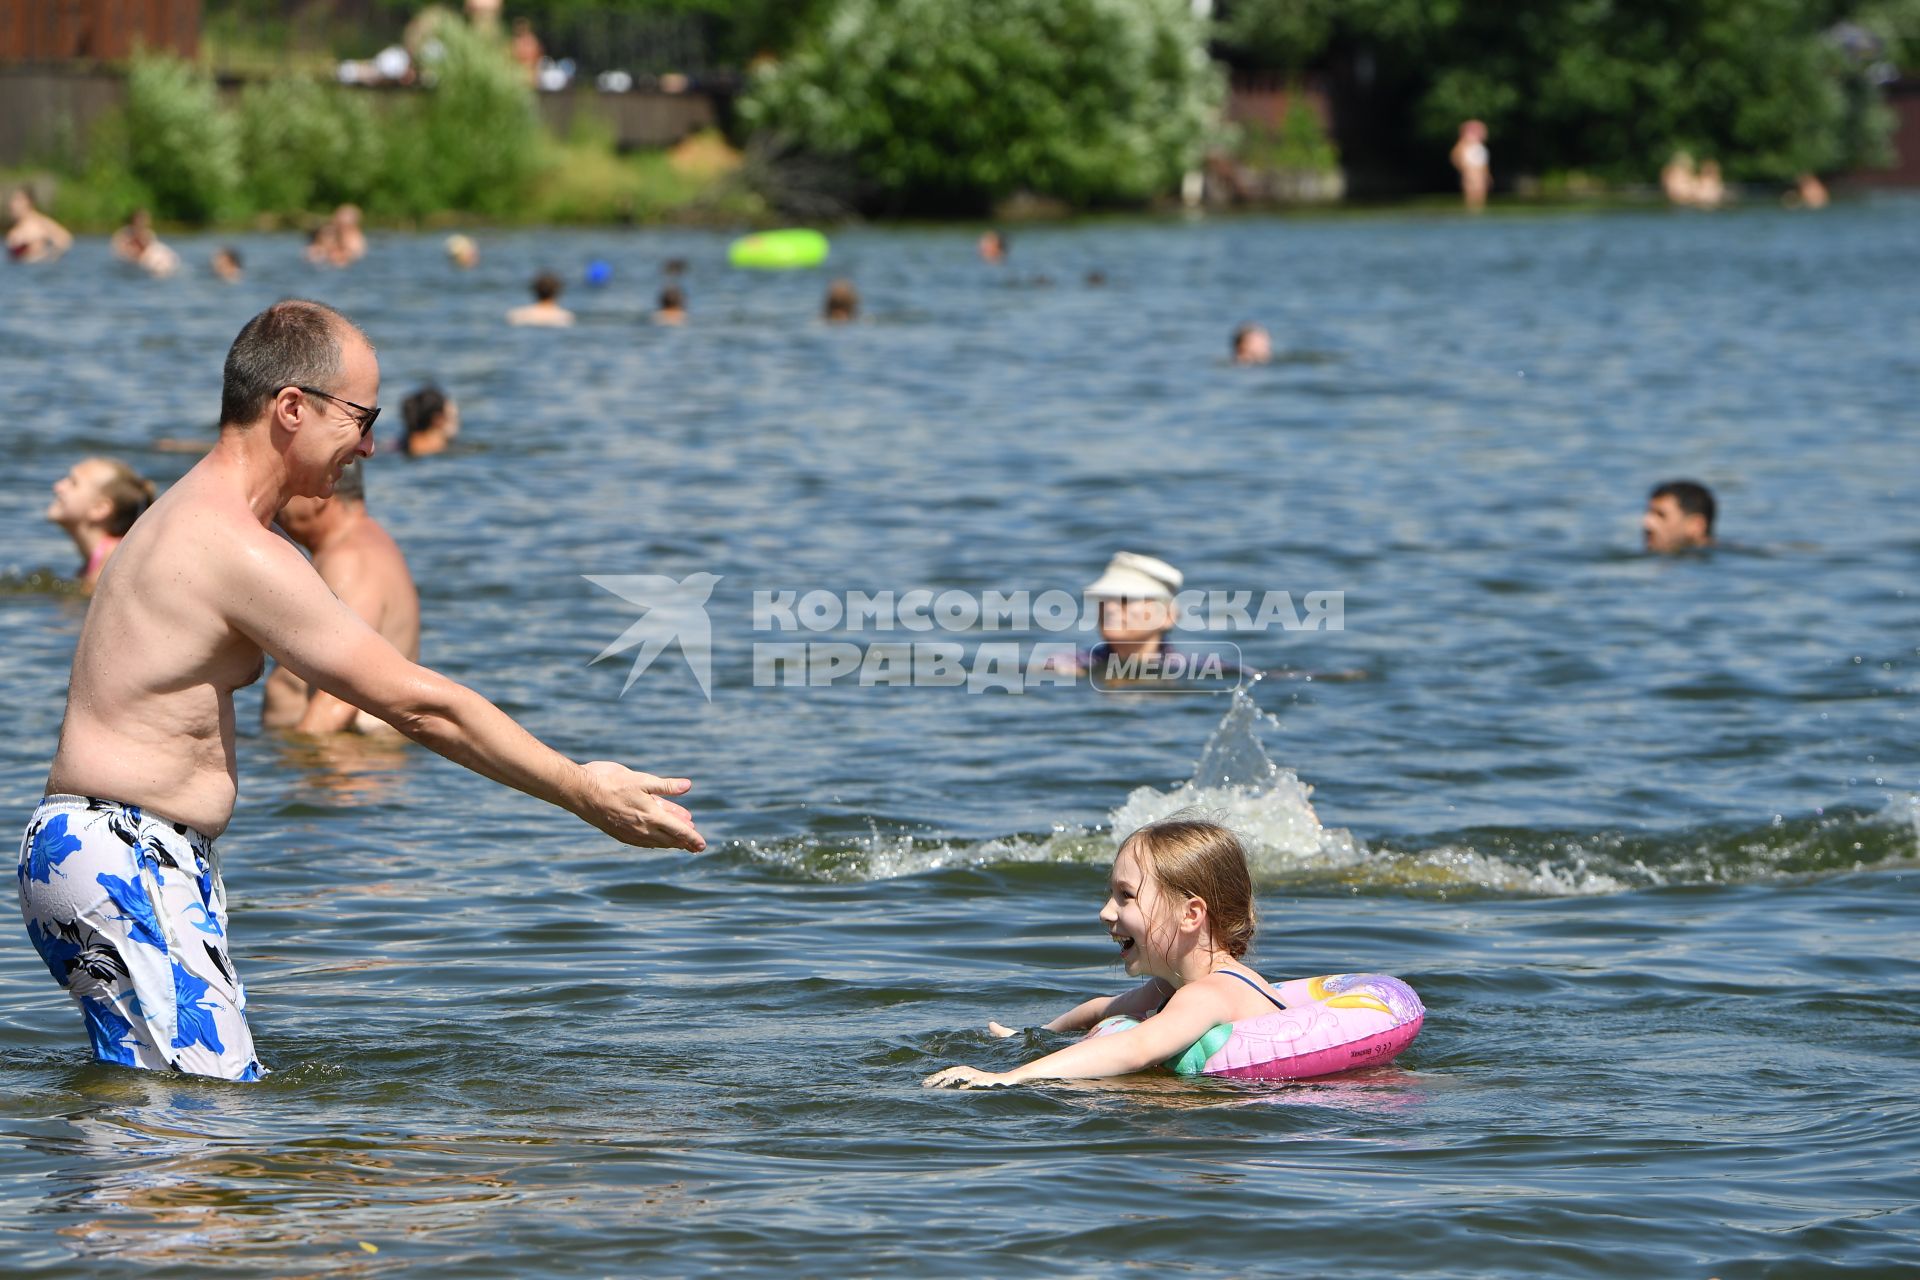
(1668,529)
(1134,621)
(335,440)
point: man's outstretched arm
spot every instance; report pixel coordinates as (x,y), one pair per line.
(276,599)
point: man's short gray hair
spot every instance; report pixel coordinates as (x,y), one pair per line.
(292,343)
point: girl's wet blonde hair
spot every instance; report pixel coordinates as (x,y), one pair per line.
(1193,859)
(129,492)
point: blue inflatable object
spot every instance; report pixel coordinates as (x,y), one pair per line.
(599,272)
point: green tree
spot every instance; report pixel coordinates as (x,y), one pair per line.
(308,145)
(1769,87)
(951,104)
(473,140)
(182,148)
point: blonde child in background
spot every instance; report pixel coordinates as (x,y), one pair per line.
(1180,907)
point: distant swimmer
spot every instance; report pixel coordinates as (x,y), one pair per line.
(1252,344)
(1808,193)
(33,237)
(843,303)
(431,419)
(993,245)
(1140,599)
(1136,594)
(1679,518)
(339,242)
(227,265)
(1469,156)
(96,502)
(356,557)
(672,308)
(462,252)
(137,243)
(119,879)
(545,310)
(1678,179)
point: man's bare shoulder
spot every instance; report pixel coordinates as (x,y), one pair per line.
(369,548)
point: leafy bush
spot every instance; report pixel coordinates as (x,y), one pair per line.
(180,145)
(941,104)
(308,145)
(476,136)
(1299,145)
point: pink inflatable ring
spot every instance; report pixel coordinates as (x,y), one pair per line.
(1330,1024)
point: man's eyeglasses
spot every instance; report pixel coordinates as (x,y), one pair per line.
(367,416)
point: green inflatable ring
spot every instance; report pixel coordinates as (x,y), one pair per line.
(1188,1062)
(787,250)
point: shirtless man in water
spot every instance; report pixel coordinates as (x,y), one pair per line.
(118,881)
(33,237)
(362,565)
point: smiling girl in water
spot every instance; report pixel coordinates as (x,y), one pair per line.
(1181,910)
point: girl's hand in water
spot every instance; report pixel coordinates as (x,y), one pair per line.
(966,1078)
(995,1029)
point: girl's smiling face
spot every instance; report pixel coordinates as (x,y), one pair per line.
(1138,917)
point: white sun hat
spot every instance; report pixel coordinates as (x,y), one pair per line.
(1131,576)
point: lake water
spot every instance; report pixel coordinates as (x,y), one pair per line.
(1641,832)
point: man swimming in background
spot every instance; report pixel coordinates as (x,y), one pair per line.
(432,419)
(1679,518)
(356,557)
(339,241)
(672,309)
(33,237)
(545,310)
(843,303)
(1252,345)
(118,878)
(136,243)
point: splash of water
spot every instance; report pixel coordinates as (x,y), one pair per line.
(1237,784)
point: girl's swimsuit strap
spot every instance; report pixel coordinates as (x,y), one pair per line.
(1257,987)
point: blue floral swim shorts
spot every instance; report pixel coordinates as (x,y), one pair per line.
(128,911)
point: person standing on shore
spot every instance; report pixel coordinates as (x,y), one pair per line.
(1470,157)
(118,878)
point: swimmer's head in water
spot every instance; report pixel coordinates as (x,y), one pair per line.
(843,301)
(1174,878)
(462,251)
(423,410)
(102,493)
(1136,595)
(1252,345)
(673,298)
(293,343)
(1679,517)
(546,286)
